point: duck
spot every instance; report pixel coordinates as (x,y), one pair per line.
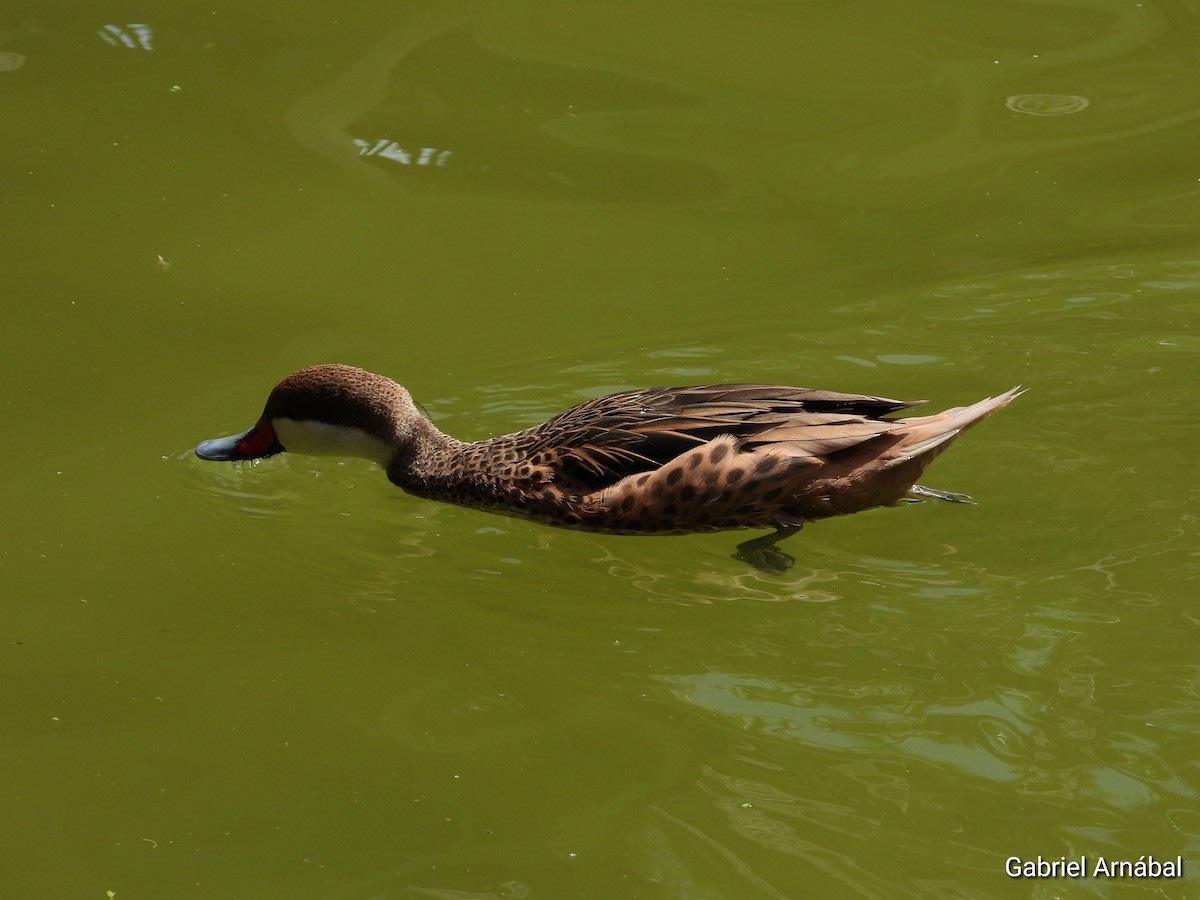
(664,460)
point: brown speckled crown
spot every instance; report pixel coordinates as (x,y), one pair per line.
(661,460)
(340,395)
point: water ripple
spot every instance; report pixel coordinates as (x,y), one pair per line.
(1047,104)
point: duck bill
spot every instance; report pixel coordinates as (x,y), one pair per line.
(257,443)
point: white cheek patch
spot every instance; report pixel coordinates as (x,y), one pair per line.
(322,439)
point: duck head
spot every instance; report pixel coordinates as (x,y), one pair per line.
(329,410)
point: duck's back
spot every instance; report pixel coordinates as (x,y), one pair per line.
(669,459)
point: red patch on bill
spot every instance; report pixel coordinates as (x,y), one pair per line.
(259,442)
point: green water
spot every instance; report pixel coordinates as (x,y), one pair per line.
(291,680)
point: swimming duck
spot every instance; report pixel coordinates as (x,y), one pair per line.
(655,461)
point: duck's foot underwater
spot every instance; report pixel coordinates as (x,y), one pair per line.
(762,553)
(918,492)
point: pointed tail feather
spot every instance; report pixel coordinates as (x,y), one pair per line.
(929,435)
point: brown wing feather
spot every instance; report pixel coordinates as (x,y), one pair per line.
(599,442)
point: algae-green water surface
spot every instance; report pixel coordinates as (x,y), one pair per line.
(291,680)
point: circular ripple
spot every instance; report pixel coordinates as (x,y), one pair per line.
(1047,104)
(10,61)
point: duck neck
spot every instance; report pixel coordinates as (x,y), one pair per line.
(425,457)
